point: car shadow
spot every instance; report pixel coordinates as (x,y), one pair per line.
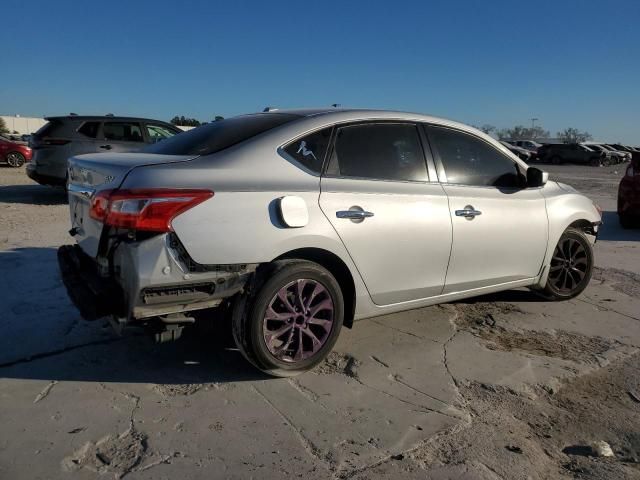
(44,337)
(613,232)
(33,194)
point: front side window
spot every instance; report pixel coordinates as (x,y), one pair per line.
(122,132)
(158,132)
(310,150)
(470,161)
(379,151)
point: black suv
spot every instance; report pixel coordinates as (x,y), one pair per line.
(64,137)
(571,153)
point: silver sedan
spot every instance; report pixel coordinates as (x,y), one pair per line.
(292,224)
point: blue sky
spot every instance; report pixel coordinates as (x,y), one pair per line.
(570,63)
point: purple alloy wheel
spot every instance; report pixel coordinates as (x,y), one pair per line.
(298,320)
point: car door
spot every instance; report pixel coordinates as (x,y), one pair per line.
(122,136)
(499,226)
(392,219)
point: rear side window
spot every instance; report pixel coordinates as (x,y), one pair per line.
(470,161)
(379,151)
(89,129)
(216,136)
(122,131)
(311,149)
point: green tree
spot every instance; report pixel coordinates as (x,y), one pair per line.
(520,132)
(185,121)
(573,135)
(3,126)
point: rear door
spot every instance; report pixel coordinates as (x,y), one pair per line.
(499,226)
(392,218)
(122,136)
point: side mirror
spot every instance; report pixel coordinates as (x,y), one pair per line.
(536,177)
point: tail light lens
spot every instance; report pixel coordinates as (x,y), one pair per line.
(148,210)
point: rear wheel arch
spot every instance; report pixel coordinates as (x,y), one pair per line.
(336,266)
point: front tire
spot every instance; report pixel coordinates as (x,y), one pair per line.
(556,160)
(571,266)
(15,159)
(290,318)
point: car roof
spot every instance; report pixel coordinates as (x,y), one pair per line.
(101,118)
(336,115)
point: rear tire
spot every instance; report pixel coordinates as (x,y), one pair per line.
(15,159)
(290,318)
(571,266)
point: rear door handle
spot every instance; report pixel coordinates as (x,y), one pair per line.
(468,212)
(354,214)
(106,147)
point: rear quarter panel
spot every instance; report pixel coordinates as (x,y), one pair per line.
(241,222)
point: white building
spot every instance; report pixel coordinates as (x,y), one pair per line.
(22,125)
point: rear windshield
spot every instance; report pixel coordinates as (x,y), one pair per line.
(216,136)
(48,129)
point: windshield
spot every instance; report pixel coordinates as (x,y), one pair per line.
(216,136)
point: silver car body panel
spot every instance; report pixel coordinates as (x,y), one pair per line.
(414,251)
(505,242)
(402,251)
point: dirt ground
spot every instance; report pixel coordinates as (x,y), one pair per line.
(506,386)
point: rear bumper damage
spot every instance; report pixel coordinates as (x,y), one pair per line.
(145,279)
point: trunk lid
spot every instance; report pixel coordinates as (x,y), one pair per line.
(89,174)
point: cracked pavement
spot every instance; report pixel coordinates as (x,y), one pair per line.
(399,396)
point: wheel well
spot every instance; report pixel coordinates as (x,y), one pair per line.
(338,269)
(585,225)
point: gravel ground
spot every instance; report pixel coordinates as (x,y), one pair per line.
(505,386)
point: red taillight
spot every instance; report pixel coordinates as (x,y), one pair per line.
(148,210)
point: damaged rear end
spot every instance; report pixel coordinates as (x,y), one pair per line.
(128,263)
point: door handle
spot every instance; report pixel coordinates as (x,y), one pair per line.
(354,214)
(468,212)
(106,147)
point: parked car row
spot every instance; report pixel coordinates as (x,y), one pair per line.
(593,154)
(14,137)
(587,153)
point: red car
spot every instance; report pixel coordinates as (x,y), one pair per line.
(15,154)
(629,194)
